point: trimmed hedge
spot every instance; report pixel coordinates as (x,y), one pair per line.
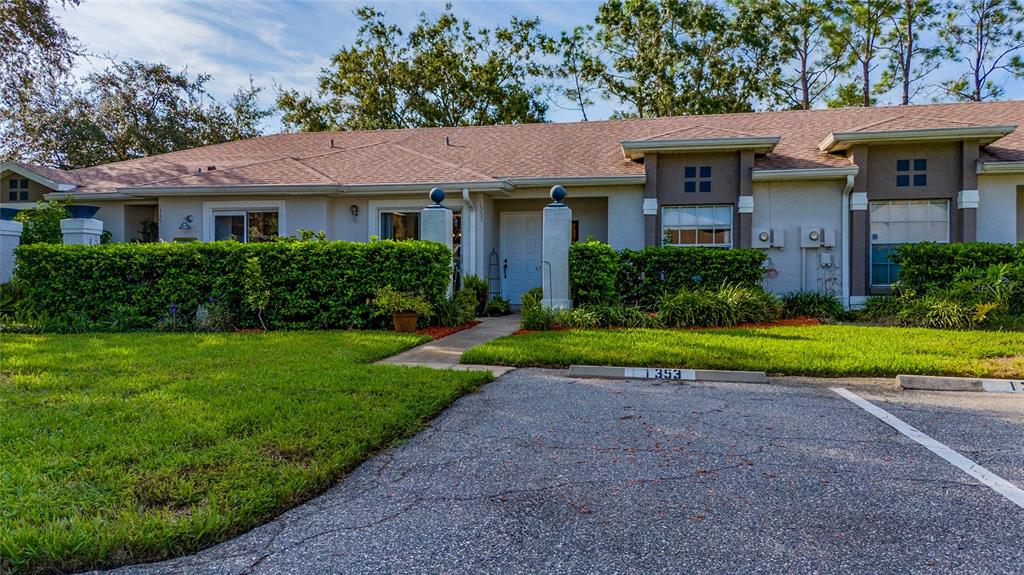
(927,266)
(600,275)
(312,284)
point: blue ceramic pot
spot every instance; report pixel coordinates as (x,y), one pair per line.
(8,213)
(83,211)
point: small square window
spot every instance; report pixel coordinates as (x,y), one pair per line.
(920,165)
(690,172)
(705,171)
(902,180)
(12,196)
(902,165)
(24,196)
(13,184)
(705,186)
(920,179)
(24,184)
(689,187)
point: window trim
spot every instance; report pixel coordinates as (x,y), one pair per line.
(731,228)
(698,179)
(912,172)
(211,209)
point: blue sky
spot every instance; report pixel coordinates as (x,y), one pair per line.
(284,43)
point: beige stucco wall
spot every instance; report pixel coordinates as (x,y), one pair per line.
(35,190)
(300,212)
(999,210)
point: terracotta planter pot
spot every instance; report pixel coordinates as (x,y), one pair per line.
(405,322)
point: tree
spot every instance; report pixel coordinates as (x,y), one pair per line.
(814,66)
(909,61)
(443,73)
(129,110)
(988,37)
(36,57)
(855,29)
(666,57)
(577,70)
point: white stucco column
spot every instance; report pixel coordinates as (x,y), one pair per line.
(10,237)
(436,225)
(556,237)
(86,231)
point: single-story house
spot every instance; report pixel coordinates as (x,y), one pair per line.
(826,193)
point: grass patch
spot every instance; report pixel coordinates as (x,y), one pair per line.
(824,350)
(121,448)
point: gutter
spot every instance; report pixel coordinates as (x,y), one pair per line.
(633,149)
(837,141)
(796,174)
(87,196)
(1000,168)
(847,264)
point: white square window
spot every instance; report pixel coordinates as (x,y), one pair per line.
(697,226)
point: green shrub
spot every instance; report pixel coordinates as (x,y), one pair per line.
(316,284)
(583,317)
(594,273)
(882,307)
(702,308)
(212,316)
(533,314)
(753,304)
(498,306)
(627,316)
(459,309)
(479,287)
(42,222)
(815,304)
(389,301)
(648,275)
(927,266)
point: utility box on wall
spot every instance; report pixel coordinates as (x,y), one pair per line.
(815,237)
(765,238)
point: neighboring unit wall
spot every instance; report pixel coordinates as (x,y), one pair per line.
(626,219)
(112,216)
(787,207)
(134,215)
(999,208)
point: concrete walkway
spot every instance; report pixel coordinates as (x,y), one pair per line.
(444,353)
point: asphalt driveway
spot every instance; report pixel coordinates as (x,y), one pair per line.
(539,473)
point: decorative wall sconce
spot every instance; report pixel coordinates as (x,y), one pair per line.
(355,210)
(186,224)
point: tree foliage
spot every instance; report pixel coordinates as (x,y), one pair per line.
(443,73)
(988,37)
(909,60)
(856,29)
(129,110)
(813,66)
(668,57)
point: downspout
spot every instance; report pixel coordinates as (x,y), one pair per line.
(847,264)
(468,234)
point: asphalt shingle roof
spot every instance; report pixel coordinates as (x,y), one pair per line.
(527,150)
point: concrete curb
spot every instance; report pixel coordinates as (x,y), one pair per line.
(940,383)
(606,372)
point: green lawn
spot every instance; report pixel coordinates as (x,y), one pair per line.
(132,447)
(825,350)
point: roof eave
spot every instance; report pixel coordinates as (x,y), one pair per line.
(1000,167)
(840,141)
(797,174)
(495,187)
(87,196)
(37,177)
(635,149)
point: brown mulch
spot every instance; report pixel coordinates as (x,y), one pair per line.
(437,332)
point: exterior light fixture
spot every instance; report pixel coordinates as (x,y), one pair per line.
(186,224)
(355,210)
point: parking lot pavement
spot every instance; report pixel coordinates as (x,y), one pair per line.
(540,473)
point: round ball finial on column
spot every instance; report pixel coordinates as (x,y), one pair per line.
(557,194)
(437,196)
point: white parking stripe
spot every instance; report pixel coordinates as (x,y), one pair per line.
(998,484)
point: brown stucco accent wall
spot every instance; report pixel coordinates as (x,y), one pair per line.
(35,190)
(666,173)
(951,168)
